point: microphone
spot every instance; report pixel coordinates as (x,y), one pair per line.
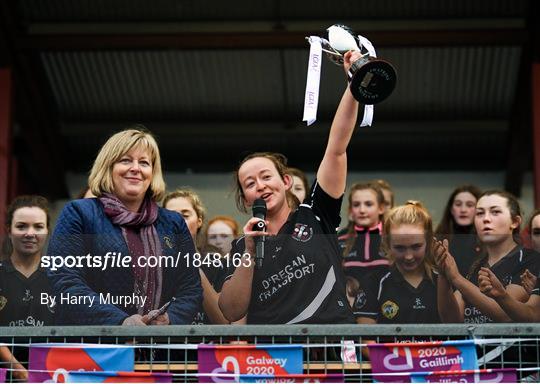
(259,211)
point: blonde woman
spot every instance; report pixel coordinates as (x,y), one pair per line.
(125,222)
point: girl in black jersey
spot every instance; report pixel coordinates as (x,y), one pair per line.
(492,287)
(497,223)
(531,237)
(300,280)
(457,226)
(407,293)
(363,260)
(188,203)
(534,230)
(22,280)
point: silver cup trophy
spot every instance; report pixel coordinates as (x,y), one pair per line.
(371,80)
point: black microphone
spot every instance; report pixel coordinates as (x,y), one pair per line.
(259,211)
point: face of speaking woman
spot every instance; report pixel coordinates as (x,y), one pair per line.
(132,175)
(260,179)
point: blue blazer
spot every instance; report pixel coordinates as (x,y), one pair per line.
(83,229)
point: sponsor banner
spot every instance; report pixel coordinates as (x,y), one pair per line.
(505,375)
(304,378)
(58,359)
(421,357)
(237,360)
(118,377)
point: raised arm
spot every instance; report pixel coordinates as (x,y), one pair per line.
(333,168)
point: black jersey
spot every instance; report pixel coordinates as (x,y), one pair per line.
(508,271)
(20,297)
(216,277)
(392,300)
(463,245)
(365,260)
(301,280)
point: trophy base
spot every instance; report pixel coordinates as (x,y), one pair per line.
(371,80)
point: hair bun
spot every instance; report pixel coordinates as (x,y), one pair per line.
(415,203)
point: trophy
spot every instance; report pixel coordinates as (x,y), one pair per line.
(371,80)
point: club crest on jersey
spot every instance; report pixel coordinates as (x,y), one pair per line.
(360,300)
(389,309)
(3,302)
(302,232)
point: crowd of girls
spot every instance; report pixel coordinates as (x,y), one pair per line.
(387,265)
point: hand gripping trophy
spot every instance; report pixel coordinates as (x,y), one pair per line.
(371,80)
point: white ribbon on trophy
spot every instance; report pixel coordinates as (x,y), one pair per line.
(341,41)
(311,99)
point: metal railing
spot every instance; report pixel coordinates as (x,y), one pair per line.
(161,347)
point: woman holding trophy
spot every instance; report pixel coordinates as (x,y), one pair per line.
(300,278)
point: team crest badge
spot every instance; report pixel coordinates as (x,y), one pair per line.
(360,300)
(3,302)
(389,309)
(302,232)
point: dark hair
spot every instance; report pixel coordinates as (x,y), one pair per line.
(513,206)
(375,187)
(22,201)
(280,162)
(515,211)
(301,175)
(535,213)
(446,225)
(352,286)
